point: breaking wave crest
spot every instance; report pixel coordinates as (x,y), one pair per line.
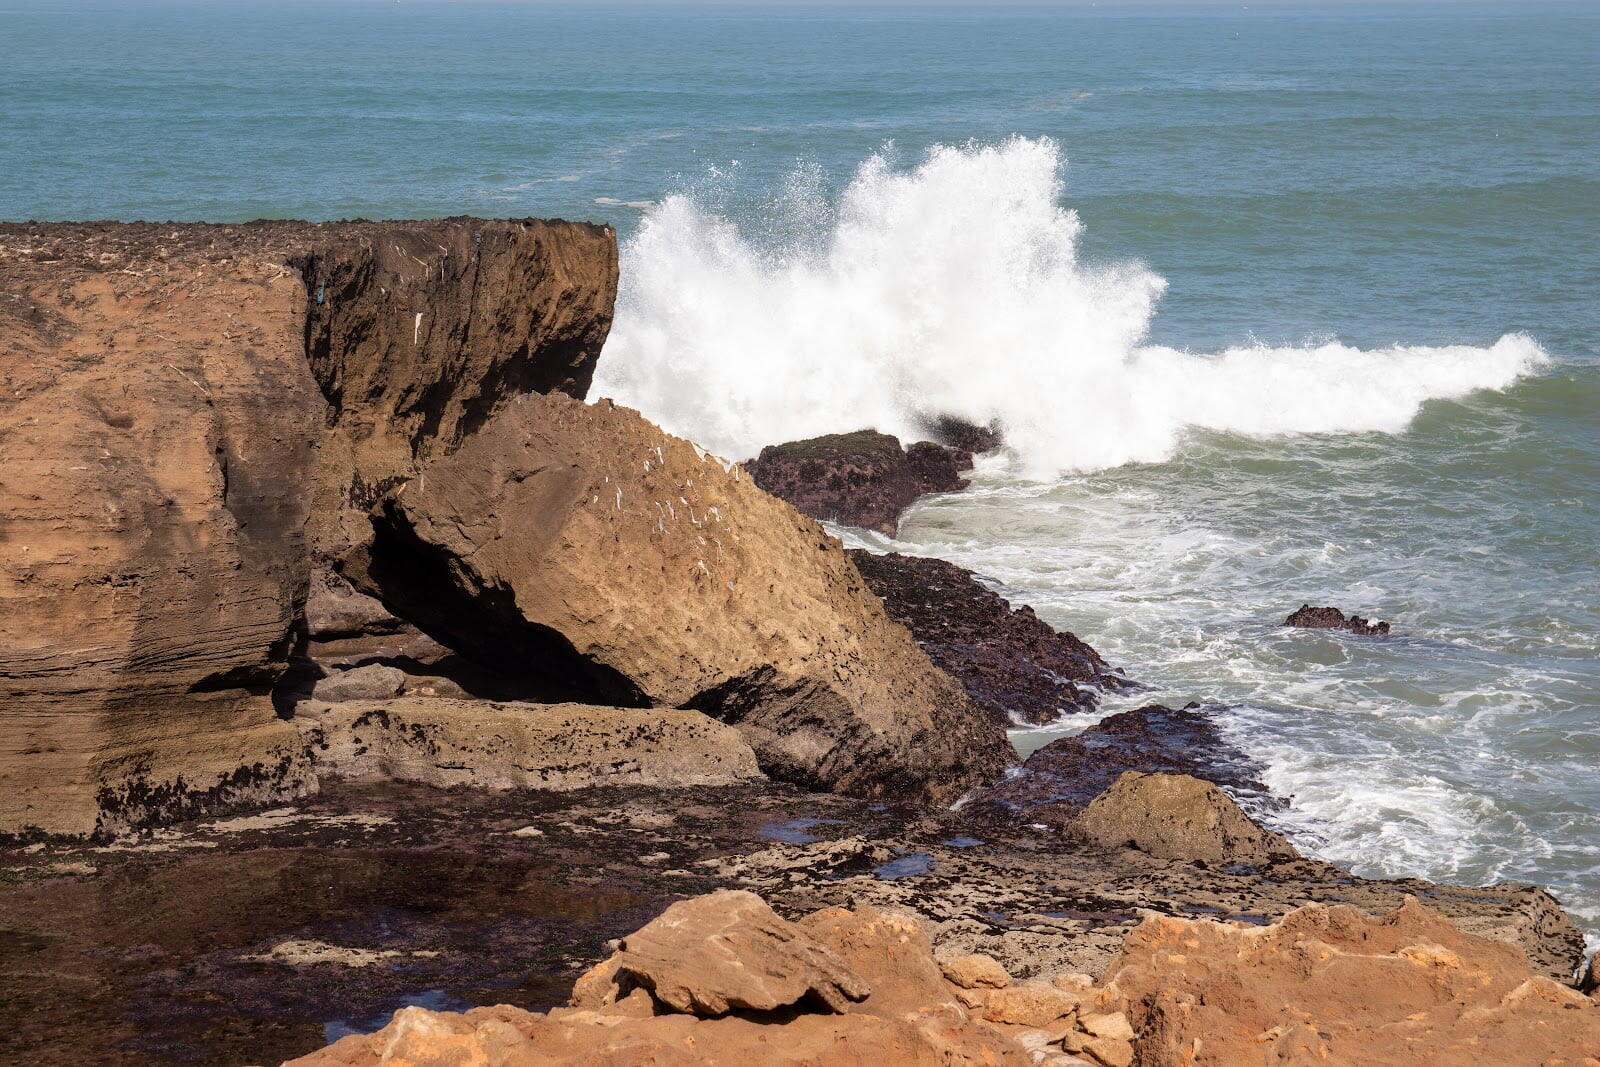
(954,287)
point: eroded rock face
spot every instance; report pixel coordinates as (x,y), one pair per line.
(721,979)
(443,742)
(1059,780)
(171,459)
(858,479)
(1311,618)
(1013,665)
(1177,816)
(1332,985)
(585,550)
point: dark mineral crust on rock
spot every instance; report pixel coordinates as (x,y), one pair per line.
(1013,664)
(1311,618)
(1060,779)
(858,479)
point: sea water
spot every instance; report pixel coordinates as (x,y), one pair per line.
(1275,303)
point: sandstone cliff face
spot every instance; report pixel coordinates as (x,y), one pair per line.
(166,444)
(576,543)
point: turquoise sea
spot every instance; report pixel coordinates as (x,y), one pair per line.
(1276,302)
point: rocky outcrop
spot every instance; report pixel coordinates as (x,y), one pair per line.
(584,551)
(723,980)
(1180,817)
(192,413)
(1331,985)
(446,743)
(1012,664)
(858,479)
(1059,780)
(962,435)
(1311,618)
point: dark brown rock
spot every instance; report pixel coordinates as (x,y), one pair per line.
(1014,665)
(604,561)
(962,435)
(1060,779)
(193,413)
(1311,618)
(858,479)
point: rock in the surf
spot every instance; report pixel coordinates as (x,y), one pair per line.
(1311,618)
(585,550)
(1178,816)
(1014,665)
(858,479)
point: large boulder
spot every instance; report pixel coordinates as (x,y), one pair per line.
(602,560)
(443,742)
(1332,985)
(1178,816)
(172,456)
(858,479)
(1013,664)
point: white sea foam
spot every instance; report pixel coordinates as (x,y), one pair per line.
(954,287)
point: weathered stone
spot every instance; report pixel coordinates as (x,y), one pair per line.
(858,479)
(974,971)
(1331,985)
(1113,1025)
(1029,1004)
(610,562)
(1059,780)
(171,454)
(371,682)
(446,743)
(1177,816)
(1110,1051)
(1012,664)
(728,950)
(1311,618)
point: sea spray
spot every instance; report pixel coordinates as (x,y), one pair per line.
(954,287)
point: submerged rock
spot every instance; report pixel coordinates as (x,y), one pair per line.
(1332,985)
(1014,665)
(1311,618)
(1059,780)
(597,558)
(858,479)
(1177,816)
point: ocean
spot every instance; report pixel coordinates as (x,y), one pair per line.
(1275,303)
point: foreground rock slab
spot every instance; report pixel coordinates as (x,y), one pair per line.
(1013,665)
(611,563)
(442,742)
(860,479)
(1332,985)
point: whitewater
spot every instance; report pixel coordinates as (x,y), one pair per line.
(954,287)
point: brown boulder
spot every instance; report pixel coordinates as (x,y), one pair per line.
(609,562)
(1177,816)
(1012,664)
(858,479)
(1331,985)
(171,454)
(1311,618)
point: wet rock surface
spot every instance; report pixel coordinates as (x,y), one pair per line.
(1059,780)
(1311,618)
(150,950)
(1013,664)
(858,479)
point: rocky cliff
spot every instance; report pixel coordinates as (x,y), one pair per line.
(189,413)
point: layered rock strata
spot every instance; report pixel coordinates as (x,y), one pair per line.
(576,545)
(1013,665)
(858,479)
(192,412)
